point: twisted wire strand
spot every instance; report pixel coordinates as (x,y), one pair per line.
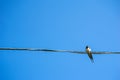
(51,50)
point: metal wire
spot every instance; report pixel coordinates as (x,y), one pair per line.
(50,50)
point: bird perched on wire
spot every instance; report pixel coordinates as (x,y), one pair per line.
(88,51)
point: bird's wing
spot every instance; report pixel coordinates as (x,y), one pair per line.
(91,57)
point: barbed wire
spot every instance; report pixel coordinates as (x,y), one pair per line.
(51,50)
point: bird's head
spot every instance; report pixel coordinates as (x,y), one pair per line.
(87,47)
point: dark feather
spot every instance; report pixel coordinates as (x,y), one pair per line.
(91,57)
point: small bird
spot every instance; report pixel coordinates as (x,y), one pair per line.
(88,51)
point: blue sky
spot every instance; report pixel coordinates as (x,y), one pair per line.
(59,24)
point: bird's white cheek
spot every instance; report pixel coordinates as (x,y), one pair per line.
(89,49)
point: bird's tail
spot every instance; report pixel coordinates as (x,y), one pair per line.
(92,60)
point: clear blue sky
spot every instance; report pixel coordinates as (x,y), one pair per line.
(59,24)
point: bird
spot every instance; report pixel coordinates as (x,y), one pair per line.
(88,51)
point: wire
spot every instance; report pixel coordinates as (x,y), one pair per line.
(50,50)
(45,50)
